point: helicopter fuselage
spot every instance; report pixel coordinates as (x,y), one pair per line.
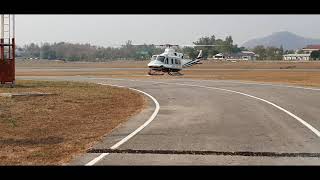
(169,61)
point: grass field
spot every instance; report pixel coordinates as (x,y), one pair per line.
(51,130)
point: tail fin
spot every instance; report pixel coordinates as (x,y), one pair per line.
(195,61)
(199,55)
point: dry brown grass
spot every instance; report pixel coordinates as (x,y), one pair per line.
(109,64)
(302,78)
(207,64)
(82,73)
(50,130)
(298,73)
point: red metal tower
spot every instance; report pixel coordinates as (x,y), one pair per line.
(7,49)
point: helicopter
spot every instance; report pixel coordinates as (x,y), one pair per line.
(172,62)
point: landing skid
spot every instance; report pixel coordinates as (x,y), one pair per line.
(171,73)
(175,73)
(151,72)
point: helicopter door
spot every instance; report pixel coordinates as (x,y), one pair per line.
(176,62)
(166,61)
(179,62)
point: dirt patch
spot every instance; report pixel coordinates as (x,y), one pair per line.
(51,130)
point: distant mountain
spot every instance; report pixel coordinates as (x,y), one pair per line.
(287,39)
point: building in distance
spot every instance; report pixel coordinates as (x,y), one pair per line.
(243,55)
(305,56)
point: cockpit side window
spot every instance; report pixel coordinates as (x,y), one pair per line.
(154,57)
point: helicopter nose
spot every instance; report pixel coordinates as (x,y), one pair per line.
(154,64)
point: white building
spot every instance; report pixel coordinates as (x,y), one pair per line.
(296,57)
(243,55)
(219,56)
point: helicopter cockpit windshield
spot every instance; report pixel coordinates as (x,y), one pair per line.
(160,58)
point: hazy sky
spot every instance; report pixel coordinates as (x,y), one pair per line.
(107,30)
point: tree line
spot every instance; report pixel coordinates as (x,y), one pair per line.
(86,52)
(128,51)
(270,53)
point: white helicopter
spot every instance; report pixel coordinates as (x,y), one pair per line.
(172,62)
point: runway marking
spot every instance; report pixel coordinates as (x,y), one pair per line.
(314,130)
(154,114)
(253,83)
(310,127)
(229,81)
(192,152)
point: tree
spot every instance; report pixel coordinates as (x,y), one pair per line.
(261,51)
(189,51)
(288,52)
(223,46)
(268,53)
(281,50)
(300,51)
(315,55)
(44,51)
(87,52)
(273,53)
(32,50)
(207,51)
(228,44)
(242,49)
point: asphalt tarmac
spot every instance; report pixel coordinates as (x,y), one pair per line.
(212,122)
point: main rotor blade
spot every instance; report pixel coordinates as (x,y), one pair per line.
(171,45)
(202,45)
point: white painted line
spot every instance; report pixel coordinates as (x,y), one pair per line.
(95,160)
(228,81)
(314,130)
(277,85)
(154,114)
(253,83)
